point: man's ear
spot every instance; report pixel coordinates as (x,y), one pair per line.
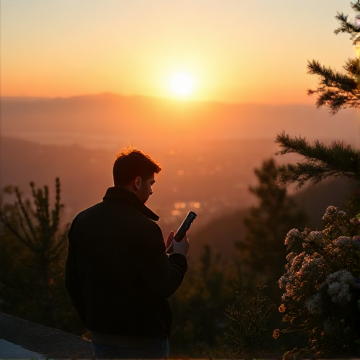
(138,182)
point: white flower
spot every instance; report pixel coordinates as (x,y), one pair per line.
(314,304)
(338,286)
(296,263)
(342,240)
(291,236)
(283,281)
(289,292)
(343,296)
(329,211)
(293,232)
(342,276)
(315,236)
(290,256)
(334,288)
(315,262)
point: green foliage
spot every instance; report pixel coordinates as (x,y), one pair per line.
(33,250)
(319,161)
(262,253)
(319,283)
(337,90)
(250,335)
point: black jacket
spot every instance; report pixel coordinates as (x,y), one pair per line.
(118,275)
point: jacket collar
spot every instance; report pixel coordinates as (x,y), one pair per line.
(118,193)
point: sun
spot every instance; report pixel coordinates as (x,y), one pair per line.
(182,84)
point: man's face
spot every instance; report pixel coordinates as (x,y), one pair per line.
(144,188)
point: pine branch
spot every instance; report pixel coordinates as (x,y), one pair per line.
(336,90)
(345,25)
(356,5)
(345,154)
(303,172)
(13,230)
(26,212)
(352,68)
(320,161)
(335,101)
(57,250)
(42,211)
(58,207)
(330,78)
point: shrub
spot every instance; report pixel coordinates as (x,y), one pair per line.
(322,274)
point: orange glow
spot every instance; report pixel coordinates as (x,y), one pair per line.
(56,53)
(182,84)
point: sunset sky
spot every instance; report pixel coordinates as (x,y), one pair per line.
(230,50)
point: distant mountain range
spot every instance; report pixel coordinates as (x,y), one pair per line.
(104,119)
(224,231)
(211,178)
(208,151)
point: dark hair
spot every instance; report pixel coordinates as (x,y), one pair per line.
(131,163)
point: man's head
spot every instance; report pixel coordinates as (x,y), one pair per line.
(135,171)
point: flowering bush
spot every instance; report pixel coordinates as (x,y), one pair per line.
(322,270)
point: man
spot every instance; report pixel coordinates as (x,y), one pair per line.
(119,274)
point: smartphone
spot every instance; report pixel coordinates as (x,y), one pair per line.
(184,227)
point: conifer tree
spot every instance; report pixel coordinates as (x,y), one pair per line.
(262,252)
(33,250)
(336,90)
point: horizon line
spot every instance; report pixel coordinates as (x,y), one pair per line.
(171,99)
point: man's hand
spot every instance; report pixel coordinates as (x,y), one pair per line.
(180,247)
(176,247)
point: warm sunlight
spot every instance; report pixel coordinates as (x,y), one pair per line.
(182,84)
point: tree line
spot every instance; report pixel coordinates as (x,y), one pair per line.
(222,309)
(214,294)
